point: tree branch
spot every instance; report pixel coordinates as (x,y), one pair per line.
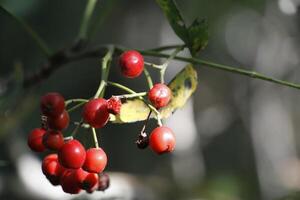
(65,57)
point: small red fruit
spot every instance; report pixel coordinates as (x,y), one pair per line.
(104,182)
(131,63)
(69,183)
(114,105)
(159,95)
(60,122)
(162,140)
(95,112)
(86,181)
(35,140)
(53,140)
(95,160)
(72,154)
(52,104)
(52,169)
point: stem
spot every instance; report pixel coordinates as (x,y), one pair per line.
(105,72)
(146,122)
(36,38)
(75,107)
(127,96)
(95,138)
(165,65)
(148,77)
(235,70)
(76,129)
(167,47)
(89,9)
(70,101)
(141,98)
(153,65)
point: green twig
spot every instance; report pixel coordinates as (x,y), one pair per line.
(88,12)
(70,101)
(95,137)
(168,47)
(127,96)
(165,65)
(251,74)
(105,67)
(148,77)
(75,107)
(36,38)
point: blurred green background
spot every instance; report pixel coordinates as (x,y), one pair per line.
(237,137)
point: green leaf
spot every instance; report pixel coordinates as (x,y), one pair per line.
(195,36)
(198,35)
(174,17)
(182,86)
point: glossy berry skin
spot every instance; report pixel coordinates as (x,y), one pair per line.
(131,63)
(86,181)
(72,154)
(69,183)
(95,160)
(52,104)
(114,105)
(159,95)
(60,122)
(52,169)
(95,112)
(53,140)
(35,140)
(104,182)
(162,140)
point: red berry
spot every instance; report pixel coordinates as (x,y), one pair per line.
(69,183)
(72,154)
(53,140)
(52,104)
(159,95)
(60,122)
(104,182)
(131,63)
(95,112)
(114,105)
(52,169)
(87,181)
(162,140)
(95,160)
(35,140)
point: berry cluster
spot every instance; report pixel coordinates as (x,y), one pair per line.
(71,165)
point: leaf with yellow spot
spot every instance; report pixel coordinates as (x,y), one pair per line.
(182,86)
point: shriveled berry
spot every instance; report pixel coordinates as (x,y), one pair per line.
(162,140)
(159,95)
(95,160)
(104,182)
(143,141)
(131,63)
(95,112)
(72,154)
(52,104)
(60,122)
(53,140)
(68,182)
(114,105)
(35,140)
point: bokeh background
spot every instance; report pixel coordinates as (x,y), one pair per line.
(237,138)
